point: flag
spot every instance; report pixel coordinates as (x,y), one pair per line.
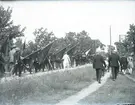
(60,53)
(32,55)
(87,52)
(71,50)
(44,52)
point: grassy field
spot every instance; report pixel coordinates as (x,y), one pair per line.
(47,88)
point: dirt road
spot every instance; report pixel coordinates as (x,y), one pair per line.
(113,92)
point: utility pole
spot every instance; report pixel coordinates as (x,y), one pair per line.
(119,38)
(120,42)
(110,40)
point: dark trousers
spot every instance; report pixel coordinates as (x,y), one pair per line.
(103,72)
(18,68)
(115,71)
(98,74)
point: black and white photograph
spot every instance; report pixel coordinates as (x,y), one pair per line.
(67,52)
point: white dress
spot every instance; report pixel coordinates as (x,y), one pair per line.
(66,61)
(130,65)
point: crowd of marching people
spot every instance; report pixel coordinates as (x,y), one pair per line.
(50,61)
(117,64)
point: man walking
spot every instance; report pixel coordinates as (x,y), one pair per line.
(114,62)
(99,64)
(124,64)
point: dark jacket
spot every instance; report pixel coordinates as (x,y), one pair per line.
(114,60)
(123,62)
(98,62)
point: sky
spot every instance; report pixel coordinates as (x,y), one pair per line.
(95,17)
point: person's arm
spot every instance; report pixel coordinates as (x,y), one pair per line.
(63,57)
(109,58)
(94,62)
(119,60)
(103,61)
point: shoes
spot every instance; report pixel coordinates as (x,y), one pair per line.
(99,81)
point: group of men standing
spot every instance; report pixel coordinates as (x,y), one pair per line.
(115,62)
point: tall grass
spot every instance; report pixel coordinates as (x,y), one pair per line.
(48,84)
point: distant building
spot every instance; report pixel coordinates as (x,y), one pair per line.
(122,38)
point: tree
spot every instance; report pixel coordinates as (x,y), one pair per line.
(121,48)
(131,37)
(85,41)
(43,37)
(70,38)
(8,31)
(19,43)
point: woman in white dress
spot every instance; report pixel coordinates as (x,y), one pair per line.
(130,65)
(66,61)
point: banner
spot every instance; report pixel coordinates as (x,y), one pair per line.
(71,50)
(60,54)
(44,52)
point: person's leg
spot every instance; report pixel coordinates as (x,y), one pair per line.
(130,70)
(97,74)
(116,72)
(15,69)
(20,70)
(103,72)
(113,73)
(121,68)
(124,71)
(100,74)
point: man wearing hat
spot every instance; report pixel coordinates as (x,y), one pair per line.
(18,62)
(114,62)
(99,64)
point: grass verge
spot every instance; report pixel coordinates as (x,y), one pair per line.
(46,88)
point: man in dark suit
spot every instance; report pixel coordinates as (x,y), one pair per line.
(99,64)
(114,61)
